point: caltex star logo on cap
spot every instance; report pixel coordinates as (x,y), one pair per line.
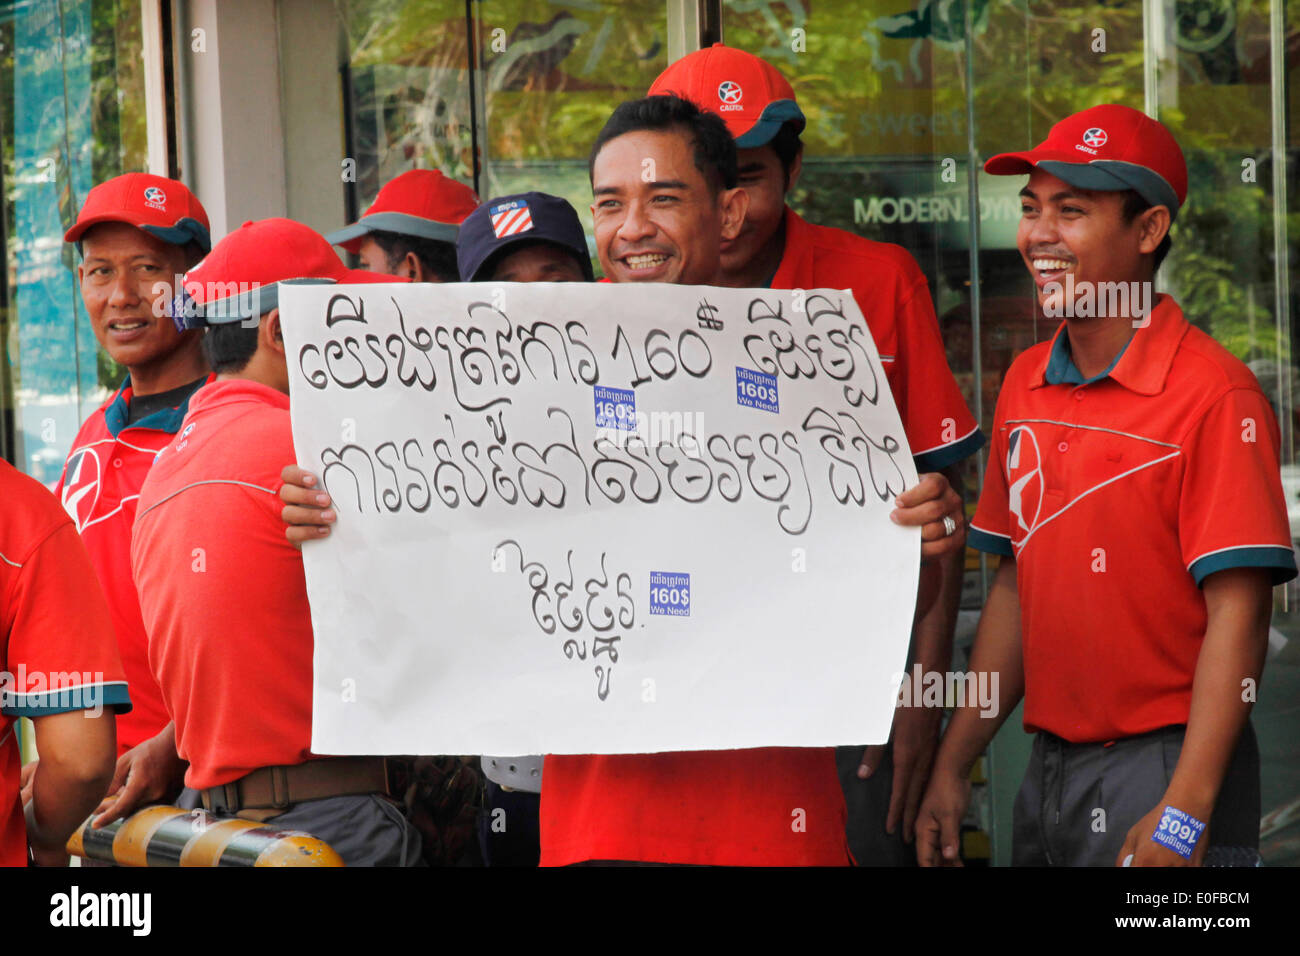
(1094,137)
(510,218)
(155,197)
(729,91)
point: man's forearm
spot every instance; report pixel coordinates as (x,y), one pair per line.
(77,751)
(997,651)
(1239,602)
(62,797)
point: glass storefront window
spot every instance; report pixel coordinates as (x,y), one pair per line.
(71,115)
(409,91)
(552,72)
(538,78)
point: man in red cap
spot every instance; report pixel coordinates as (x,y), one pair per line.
(410,230)
(136,233)
(1134,470)
(223,593)
(777,248)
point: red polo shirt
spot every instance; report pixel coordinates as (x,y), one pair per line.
(222,590)
(1118,496)
(771,806)
(894,297)
(57,650)
(99,487)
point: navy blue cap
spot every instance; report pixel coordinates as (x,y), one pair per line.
(508,221)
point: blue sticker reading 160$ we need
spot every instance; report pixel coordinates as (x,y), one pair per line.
(1178,831)
(615,408)
(670,593)
(756,390)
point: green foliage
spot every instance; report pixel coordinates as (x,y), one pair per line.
(1221,267)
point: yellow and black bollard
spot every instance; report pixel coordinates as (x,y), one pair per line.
(171,836)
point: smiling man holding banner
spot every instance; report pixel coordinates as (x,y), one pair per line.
(664,176)
(772,806)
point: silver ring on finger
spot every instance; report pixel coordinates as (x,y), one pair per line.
(949,526)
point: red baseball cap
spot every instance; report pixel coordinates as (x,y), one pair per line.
(421,202)
(750,94)
(1107,148)
(240,278)
(161,207)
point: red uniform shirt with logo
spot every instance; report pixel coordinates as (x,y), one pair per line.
(57,648)
(1118,497)
(223,591)
(99,487)
(774,806)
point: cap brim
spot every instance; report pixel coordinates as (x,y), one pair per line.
(261,300)
(1098,175)
(1083,175)
(349,237)
(509,245)
(183,232)
(775,115)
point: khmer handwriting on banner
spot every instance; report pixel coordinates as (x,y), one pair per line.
(599,518)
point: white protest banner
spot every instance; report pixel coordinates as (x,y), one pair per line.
(599,518)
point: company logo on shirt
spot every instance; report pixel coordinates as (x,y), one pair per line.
(81,483)
(155,198)
(1024,480)
(729,95)
(1084,460)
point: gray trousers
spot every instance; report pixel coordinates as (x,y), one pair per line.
(1078,801)
(365,830)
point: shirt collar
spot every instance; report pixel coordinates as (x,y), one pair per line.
(1061,369)
(118,412)
(1142,366)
